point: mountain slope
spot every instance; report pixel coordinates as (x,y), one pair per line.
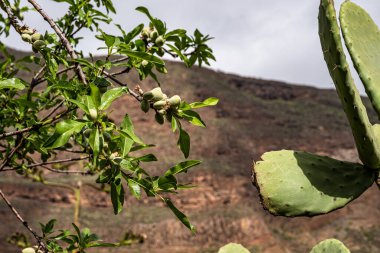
(254,116)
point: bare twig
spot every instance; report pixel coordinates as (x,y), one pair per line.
(63,38)
(67,172)
(18,216)
(134,94)
(14,150)
(53,110)
(17,132)
(57,161)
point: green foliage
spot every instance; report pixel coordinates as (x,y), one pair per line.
(63,109)
(233,248)
(297,183)
(330,246)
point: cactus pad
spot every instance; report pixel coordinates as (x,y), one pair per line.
(233,248)
(330,246)
(362,38)
(367,141)
(295,183)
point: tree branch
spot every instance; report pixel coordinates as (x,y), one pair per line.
(57,161)
(63,38)
(18,216)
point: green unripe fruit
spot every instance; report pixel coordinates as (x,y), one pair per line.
(155,94)
(160,41)
(107,136)
(28,250)
(159,118)
(145,32)
(162,112)
(159,104)
(174,101)
(93,114)
(144,63)
(145,105)
(38,44)
(26,37)
(37,36)
(87,133)
(161,52)
(27,31)
(153,35)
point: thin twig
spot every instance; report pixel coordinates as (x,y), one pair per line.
(84,173)
(34,83)
(17,132)
(57,161)
(18,216)
(53,110)
(63,38)
(14,150)
(134,94)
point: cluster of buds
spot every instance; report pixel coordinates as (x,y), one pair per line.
(31,36)
(151,35)
(163,105)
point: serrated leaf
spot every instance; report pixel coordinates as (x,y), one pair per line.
(63,131)
(110,96)
(182,167)
(208,102)
(181,216)
(12,83)
(184,142)
(117,197)
(134,188)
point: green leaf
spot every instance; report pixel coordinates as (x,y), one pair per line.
(80,105)
(63,131)
(147,158)
(181,216)
(134,187)
(110,96)
(192,117)
(132,34)
(12,83)
(208,102)
(184,142)
(94,142)
(143,56)
(95,95)
(127,128)
(126,145)
(182,167)
(167,183)
(117,195)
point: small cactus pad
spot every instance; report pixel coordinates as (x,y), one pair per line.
(330,246)
(362,38)
(294,183)
(233,248)
(367,141)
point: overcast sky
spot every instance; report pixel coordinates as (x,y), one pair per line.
(269,39)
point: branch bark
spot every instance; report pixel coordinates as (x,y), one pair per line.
(63,38)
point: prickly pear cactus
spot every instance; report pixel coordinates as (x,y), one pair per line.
(330,246)
(362,39)
(297,183)
(233,248)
